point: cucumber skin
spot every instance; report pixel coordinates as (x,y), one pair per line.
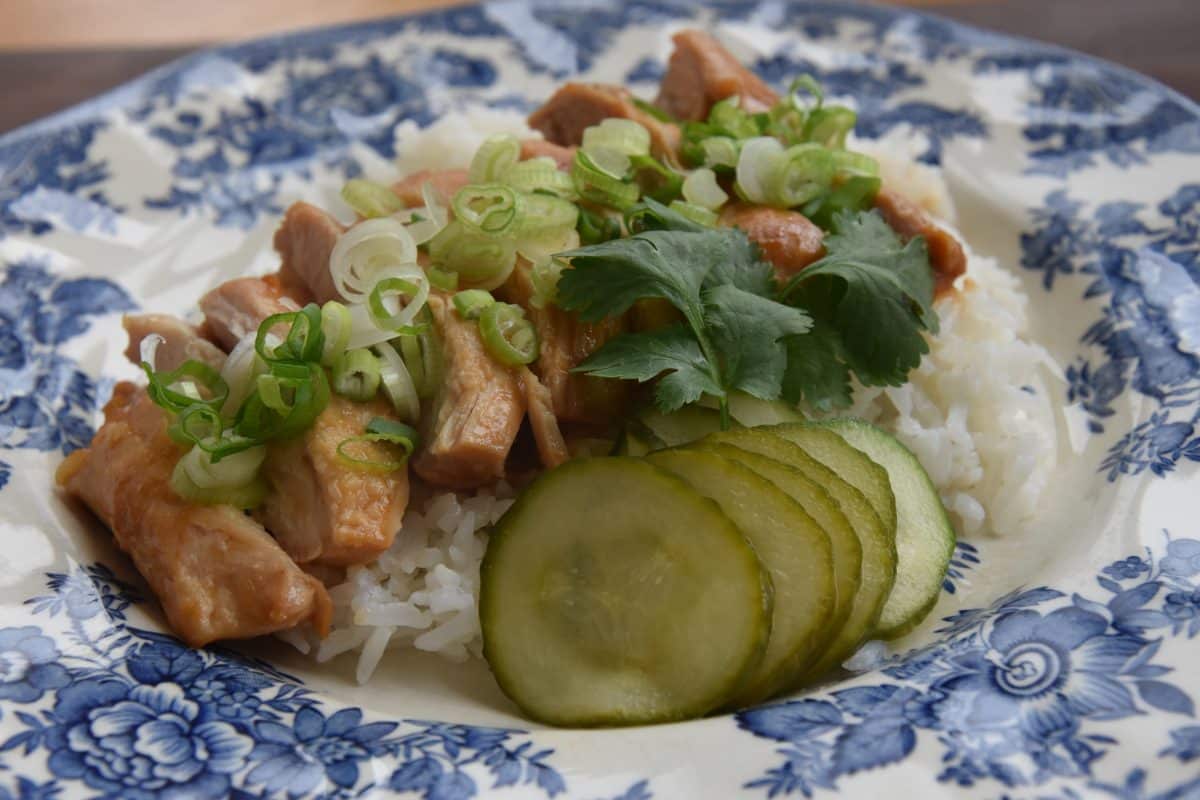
(851,428)
(884,502)
(755,691)
(496,541)
(726,444)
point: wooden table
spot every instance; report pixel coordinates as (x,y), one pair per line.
(54,53)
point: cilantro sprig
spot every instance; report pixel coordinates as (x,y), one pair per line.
(732,336)
(871,297)
(861,309)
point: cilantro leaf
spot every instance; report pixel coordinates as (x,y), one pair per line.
(816,372)
(742,265)
(604,280)
(748,331)
(862,309)
(877,292)
(643,356)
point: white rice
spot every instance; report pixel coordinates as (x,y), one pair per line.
(976,413)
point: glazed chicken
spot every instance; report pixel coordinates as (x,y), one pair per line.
(476,414)
(320,509)
(217,572)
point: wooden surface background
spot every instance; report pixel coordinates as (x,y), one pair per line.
(54,53)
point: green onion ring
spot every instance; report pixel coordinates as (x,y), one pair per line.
(491,208)
(509,337)
(470,303)
(335,324)
(380,314)
(198,372)
(356,375)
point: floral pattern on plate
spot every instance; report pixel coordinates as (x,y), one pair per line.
(1070,690)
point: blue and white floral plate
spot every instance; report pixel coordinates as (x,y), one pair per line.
(1060,664)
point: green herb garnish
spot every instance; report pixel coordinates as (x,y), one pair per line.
(861,308)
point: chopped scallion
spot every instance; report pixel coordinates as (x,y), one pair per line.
(481,261)
(244,497)
(700,188)
(470,303)
(335,324)
(490,209)
(169,390)
(398,383)
(416,290)
(595,227)
(599,186)
(801,173)
(540,175)
(441,279)
(509,337)
(356,375)
(615,134)
(719,152)
(494,158)
(380,436)
(698,214)
(370,199)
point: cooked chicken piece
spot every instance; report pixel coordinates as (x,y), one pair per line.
(446,183)
(701,72)
(305,241)
(577,106)
(216,572)
(320,509)
(565,342)
(475,417)
(317,507)
(908,219)
(181,341)
(787,238)
(238,307)
(551,446)
(536,148)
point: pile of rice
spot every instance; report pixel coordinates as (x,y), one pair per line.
(976,413)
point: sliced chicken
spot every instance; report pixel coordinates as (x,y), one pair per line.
(788,239)
(320,509)
(946,255)
(577,106)
(217,573)
(475,417)
(702,72)
(538,148)
(181,341)
(446,182)
(552,448)
(238,307)
(565,342)
(304,241)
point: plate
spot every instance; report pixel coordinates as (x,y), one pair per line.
(1059,662)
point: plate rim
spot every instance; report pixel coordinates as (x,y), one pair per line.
(116,97)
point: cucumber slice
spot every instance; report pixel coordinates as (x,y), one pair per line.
(867,567)
(636,440)
(924,536)
(680,427)
(612,593)
(852,465)
(778,467)
(792,547)
(752,412)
